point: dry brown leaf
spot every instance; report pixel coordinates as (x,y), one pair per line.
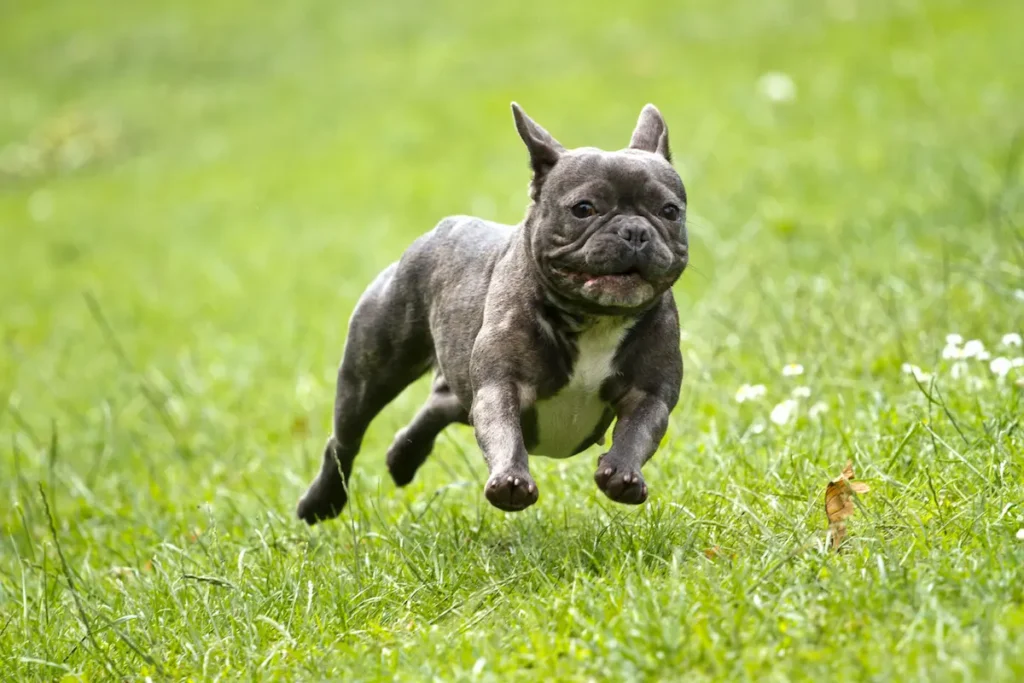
(839,502)
(716,553)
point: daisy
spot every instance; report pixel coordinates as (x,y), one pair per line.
(817,410)
(750,392)
(1000,367)
(783,412)
(974,349)
(919,374)
(792,370)
(801,392)
(1011,339)
(952,349)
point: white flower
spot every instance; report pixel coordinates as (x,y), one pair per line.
(974,383)
(1017,362)
(817,410)
(776,86)
(757,426)
(973,349)
(783,412)
(792,370)
(1011,339)
(958,370)
(801,392)
(952,351)
(1020,534)
(1000,367)
(750,392)
(1018,294)
(919,374)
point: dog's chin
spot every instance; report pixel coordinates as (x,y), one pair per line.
(614,291)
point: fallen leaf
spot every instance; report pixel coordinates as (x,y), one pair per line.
(839,502)
(712,553)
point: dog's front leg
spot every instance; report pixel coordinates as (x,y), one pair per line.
(497,406)
(641,424)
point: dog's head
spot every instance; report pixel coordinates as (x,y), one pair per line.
(607,230)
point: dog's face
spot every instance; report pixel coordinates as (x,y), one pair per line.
(607,230)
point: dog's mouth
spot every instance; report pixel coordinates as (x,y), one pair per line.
(626,277)
(627,288)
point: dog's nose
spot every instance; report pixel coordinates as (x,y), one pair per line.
(637,235)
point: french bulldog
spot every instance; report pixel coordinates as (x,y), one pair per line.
(539,335)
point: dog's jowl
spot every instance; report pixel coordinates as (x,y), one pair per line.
(539,335)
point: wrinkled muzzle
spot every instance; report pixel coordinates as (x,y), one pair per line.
(623,265)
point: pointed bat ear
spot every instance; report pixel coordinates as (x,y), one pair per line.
(651,134)
(544,150)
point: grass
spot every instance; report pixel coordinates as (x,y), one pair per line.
(193,194)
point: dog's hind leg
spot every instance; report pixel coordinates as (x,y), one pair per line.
(387,349)
(414,443)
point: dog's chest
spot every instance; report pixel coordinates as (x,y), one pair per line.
(567,419)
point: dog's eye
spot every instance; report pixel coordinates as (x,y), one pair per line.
(671,212)
(583,210)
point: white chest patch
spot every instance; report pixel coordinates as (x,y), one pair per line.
(566,419)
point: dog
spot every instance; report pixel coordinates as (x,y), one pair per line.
(539,335)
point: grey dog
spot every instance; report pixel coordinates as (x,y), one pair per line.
(539,335)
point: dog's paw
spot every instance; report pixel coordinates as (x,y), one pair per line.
(511,491)
(621,484)
(322,502)
(405,457)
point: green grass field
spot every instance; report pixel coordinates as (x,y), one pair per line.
(193,195)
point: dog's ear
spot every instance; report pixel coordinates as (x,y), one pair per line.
(544,149)
(651,134)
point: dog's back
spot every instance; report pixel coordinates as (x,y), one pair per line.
(441,283)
